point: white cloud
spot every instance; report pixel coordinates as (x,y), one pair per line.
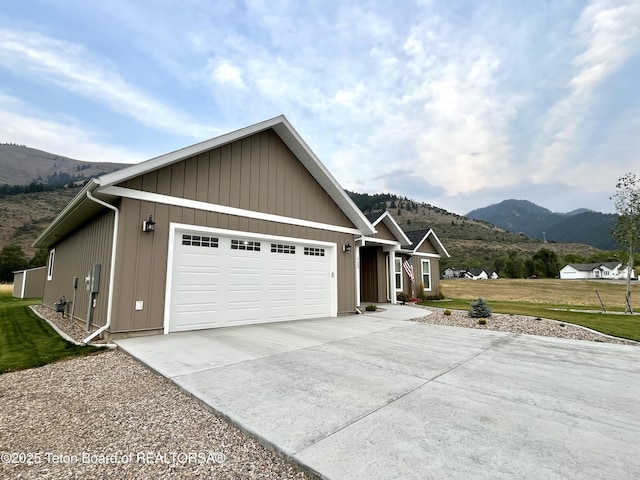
(21,124)
(225,73)
(607,34)
(71,67)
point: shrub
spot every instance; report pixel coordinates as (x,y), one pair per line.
(479,309)
(482,321)
(403,297)
(371,308)
(447,312)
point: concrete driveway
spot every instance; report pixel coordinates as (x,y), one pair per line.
(376,397)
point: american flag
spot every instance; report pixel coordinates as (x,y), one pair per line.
(409,269)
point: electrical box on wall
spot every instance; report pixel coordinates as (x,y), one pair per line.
(94,285)
(139,304)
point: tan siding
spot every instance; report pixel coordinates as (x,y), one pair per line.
(427,247)
(74,257)
(142,260)
(257,173)
(35,282)
(383,232)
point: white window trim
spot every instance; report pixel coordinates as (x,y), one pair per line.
(422,263)
(52,256)
(398,273)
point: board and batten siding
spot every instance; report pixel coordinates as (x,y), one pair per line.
(74,257)
(258,173)
(383,232)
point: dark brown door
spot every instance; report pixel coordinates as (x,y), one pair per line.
(368,274)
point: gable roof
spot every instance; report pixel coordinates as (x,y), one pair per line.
(418,237)
(81,208)
(391,224)
(588,267)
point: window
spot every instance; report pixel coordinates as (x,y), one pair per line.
(52,255)
(426,274)
(314,252)
(398,272)
(245,245)
(199,241)
(278,248)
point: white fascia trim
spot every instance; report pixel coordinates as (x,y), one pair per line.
(439,243)
(421,254)
(382,241)
(392,225)
(212,207)
(174,227)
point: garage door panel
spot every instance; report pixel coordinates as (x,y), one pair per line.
(240,282)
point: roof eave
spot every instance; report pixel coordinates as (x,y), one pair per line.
(287,134)
(45,239)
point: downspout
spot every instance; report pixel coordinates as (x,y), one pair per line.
(112,271)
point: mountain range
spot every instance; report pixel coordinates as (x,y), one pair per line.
(481,235)
(534,221)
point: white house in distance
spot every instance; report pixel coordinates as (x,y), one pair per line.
(604,270)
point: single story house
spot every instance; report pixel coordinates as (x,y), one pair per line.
(393,262)
(606,270)
(477,274)
(29,283)
(454,272)
(248,227)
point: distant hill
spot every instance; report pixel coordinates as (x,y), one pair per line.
(21,165)
(471,243)
(534,221)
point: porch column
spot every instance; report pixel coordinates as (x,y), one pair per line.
(359,242)
(392,275)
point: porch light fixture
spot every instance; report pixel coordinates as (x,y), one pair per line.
(149,225)
(346,247)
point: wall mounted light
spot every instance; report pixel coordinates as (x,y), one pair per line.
(149,225)
(346,247)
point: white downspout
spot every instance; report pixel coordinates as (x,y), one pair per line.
(112,271)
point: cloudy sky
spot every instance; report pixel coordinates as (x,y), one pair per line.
(460,104)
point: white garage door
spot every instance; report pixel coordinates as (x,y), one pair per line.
(221,280)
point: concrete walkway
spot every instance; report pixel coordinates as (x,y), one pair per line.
(375,397)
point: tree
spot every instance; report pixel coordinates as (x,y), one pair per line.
(627,227)
(12,258)
(546,263)
(40,258)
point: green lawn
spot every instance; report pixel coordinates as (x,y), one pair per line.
(27,341)
(624,326)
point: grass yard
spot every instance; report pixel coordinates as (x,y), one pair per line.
(540,298)
(27,341)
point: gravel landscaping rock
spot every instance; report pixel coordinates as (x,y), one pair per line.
(519,324)
(107,416)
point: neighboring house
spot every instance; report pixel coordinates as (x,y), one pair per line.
(29,283)
(606,270)
(477,274)
(388,257)
(248,227)
(453,272)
